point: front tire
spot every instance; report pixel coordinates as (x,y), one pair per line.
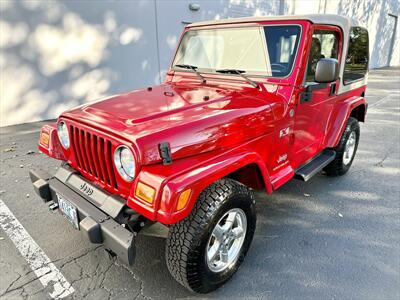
(205,249)
(345,150)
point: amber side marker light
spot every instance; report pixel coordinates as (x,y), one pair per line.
(145,192)
(44,138)
(183,199)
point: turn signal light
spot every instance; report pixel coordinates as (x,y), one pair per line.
(145,192)
(44,138)
(183,199)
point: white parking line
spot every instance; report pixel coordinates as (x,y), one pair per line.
(45,270)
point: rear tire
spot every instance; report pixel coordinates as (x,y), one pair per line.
(345,150)
(194,255)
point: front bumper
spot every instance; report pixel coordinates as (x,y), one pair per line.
(95,213)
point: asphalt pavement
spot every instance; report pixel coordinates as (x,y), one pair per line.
(329,238)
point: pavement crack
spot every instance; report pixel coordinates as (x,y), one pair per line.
(73,259)
(105,274)
(108,291)
(8,289)
(23,293)
(140,293)
(25,283)
(380,163)
(141,283)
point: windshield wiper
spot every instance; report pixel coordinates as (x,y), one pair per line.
(194,69)
(240,73)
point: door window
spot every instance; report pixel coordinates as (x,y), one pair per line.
(325,44)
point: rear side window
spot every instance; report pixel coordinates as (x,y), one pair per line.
(356,65)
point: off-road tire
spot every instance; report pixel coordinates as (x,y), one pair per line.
(337,167)
(187,240)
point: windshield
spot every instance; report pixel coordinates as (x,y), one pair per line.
(265,51)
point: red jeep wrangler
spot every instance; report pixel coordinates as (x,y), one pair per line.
(247,104)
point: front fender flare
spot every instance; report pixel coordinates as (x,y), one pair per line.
(199,178)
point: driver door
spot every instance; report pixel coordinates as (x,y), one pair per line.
(312,112)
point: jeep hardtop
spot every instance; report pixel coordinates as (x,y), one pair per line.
(246,104)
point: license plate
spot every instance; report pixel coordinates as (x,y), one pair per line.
(68,210)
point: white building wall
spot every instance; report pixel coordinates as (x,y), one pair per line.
(57,54)
(395,60)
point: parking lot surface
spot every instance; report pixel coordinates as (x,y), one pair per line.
(329,238)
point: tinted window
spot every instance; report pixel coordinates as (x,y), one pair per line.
(324,44)
(357,55)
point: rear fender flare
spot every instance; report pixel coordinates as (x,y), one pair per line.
(339,117)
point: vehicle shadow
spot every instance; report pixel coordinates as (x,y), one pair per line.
(313,241)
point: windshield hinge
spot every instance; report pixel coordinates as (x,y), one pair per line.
(306,95)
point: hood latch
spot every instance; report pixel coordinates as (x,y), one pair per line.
(165,153)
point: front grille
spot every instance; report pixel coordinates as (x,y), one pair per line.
(93,156)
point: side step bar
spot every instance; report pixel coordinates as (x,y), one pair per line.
(315,165)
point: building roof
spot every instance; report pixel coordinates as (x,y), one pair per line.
(341,21)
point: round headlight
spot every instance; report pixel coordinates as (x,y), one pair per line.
(63,135)
(125,163)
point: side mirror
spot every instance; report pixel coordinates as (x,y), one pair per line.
(327,70)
